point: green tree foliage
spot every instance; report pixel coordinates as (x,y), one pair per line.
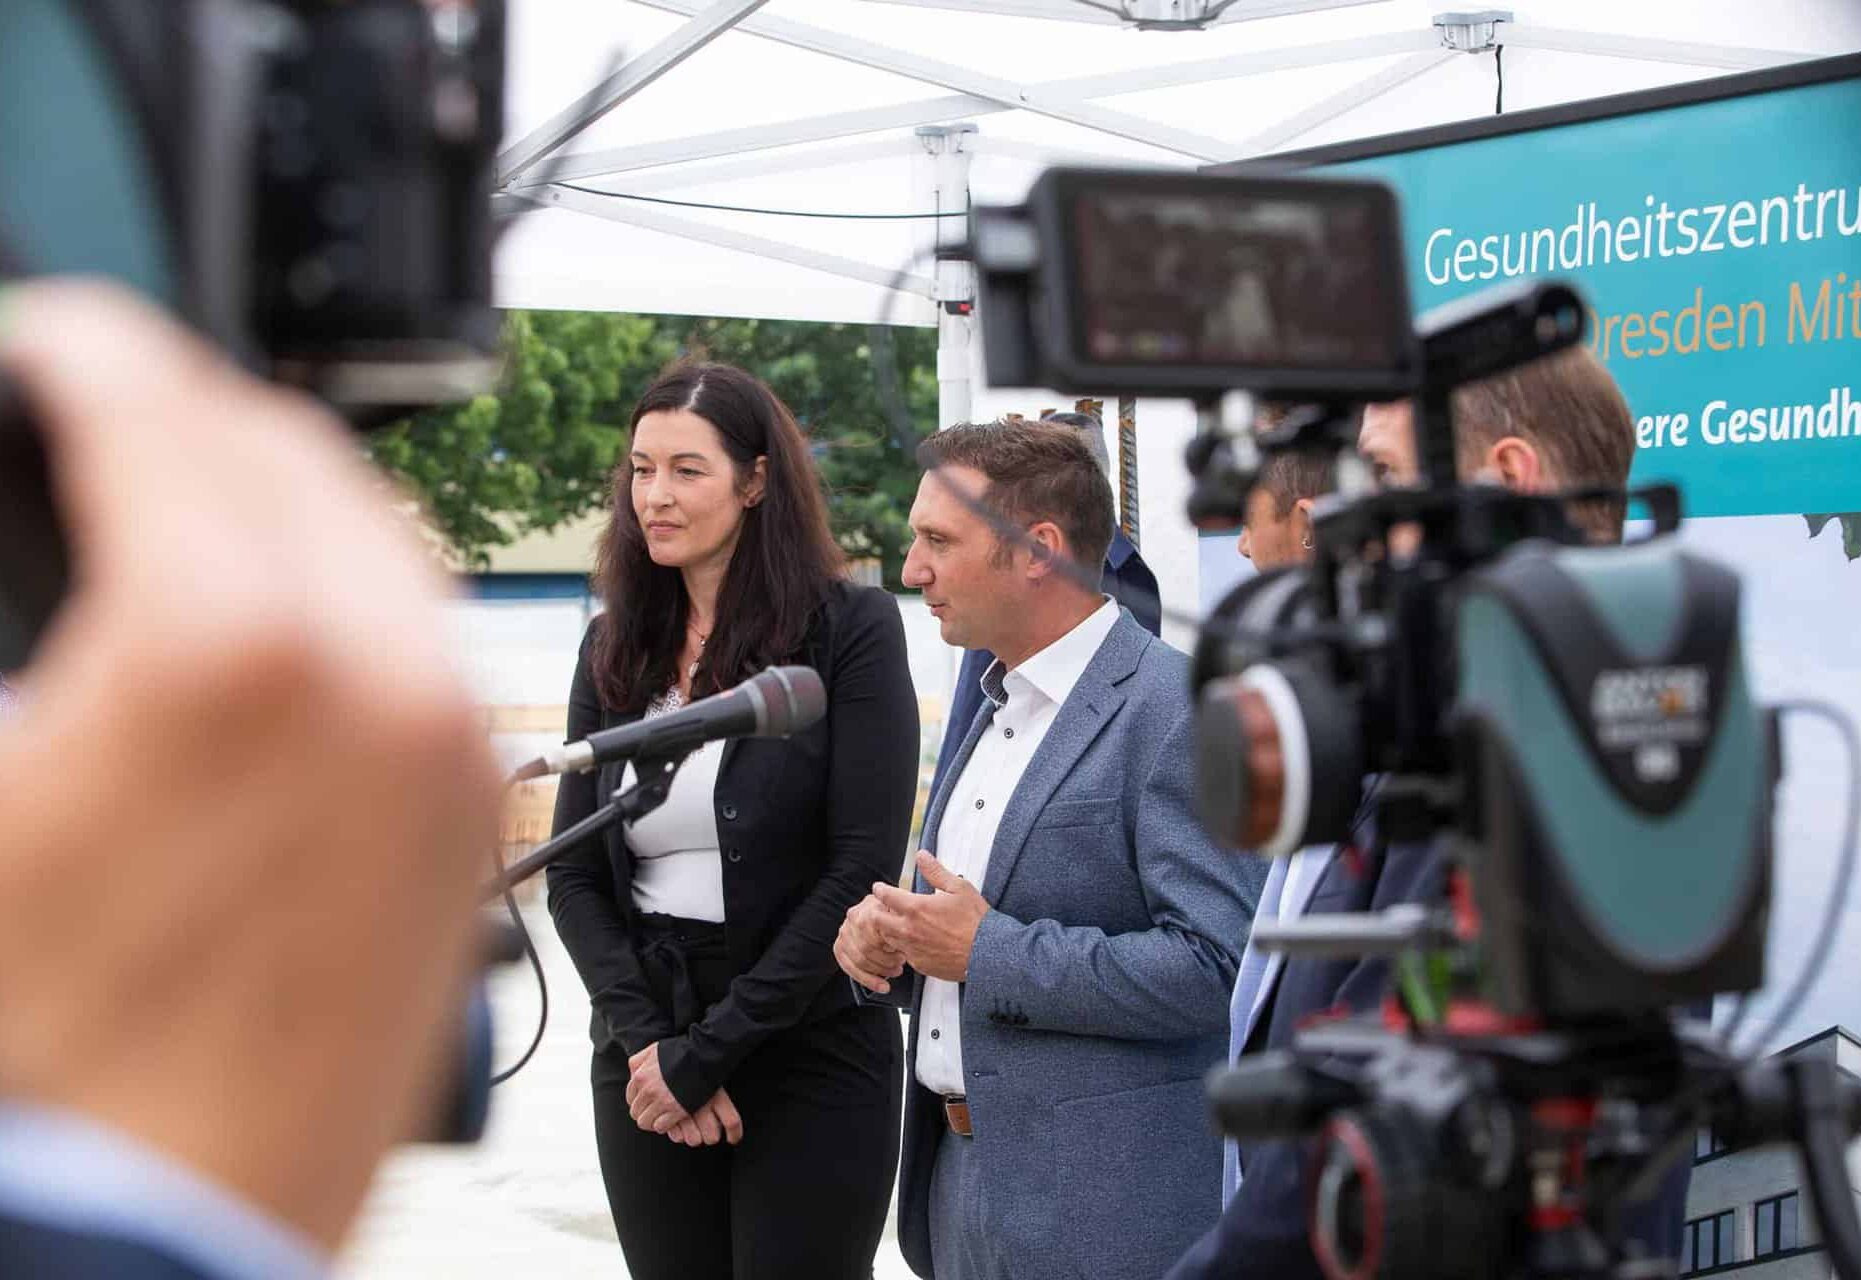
(538,453)
(864,395)
(1850,522)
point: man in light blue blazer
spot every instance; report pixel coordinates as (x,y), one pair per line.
(1070,950)
(1277,534)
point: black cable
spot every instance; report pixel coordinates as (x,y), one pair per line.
(1823,1126)
(1844,873)
(773,213)
(1005,529)
(1710,1081)
(1741,1005)
(504,880)
(536,966)
(1499,69)
(1093,579)
(1008,531)
(587,108)
(642,798)
(891,396)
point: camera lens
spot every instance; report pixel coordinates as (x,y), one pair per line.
(1387,1205)
(1348,1200)
(1279,758)
(1241,759)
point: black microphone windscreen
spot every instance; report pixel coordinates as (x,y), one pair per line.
(795,697)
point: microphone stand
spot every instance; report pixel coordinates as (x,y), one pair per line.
(511,942)
(653,783)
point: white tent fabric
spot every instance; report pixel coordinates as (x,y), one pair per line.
(742,88)
(812,105)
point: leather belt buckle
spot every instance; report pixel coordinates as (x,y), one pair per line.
(956,1115)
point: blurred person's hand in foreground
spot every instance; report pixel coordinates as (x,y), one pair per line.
(246,803)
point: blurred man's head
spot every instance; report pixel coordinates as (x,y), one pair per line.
(1555,423)
(1278,528)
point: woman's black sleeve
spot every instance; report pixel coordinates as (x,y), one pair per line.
(590,919)
(872,781)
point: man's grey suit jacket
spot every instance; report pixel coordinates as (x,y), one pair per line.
(1097,994)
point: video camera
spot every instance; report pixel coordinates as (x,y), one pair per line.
(1569,730)
(304,182)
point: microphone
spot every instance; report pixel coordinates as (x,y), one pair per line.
(771,704)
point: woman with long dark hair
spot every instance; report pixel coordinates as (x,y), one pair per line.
(746,1108)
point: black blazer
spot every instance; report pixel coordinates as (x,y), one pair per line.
(806,825)
(1262,1233)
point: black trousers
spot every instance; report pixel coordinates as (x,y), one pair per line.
(804,1194)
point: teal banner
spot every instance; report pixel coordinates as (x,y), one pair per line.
(1719,246)
(1718,243)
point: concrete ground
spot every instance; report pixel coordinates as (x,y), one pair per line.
(527,1201)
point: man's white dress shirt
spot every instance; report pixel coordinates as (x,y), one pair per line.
(1025,702)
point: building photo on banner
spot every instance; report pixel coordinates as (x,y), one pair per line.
(675,158)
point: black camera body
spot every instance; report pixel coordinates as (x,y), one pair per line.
(305,182)
(1139,283)
(1605,719)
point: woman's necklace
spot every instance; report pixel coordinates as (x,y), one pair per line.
(691,672)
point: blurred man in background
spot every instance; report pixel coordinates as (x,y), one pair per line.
(1556,423)
(247,808)
(1278,528)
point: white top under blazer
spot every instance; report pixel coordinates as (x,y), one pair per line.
(677,868)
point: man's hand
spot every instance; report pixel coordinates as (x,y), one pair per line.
(934,932)
(861,949)
(649,1101)
(254,959)
(716,1121)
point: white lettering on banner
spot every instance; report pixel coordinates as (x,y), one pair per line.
(1661,230)
(1658,431)
(1428,257)
(1836,416)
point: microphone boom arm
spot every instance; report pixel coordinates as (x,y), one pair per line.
(654,776)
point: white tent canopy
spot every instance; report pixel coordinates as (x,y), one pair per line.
(817,106)
(813,105)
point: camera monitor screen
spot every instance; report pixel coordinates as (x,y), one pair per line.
(1279,283)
